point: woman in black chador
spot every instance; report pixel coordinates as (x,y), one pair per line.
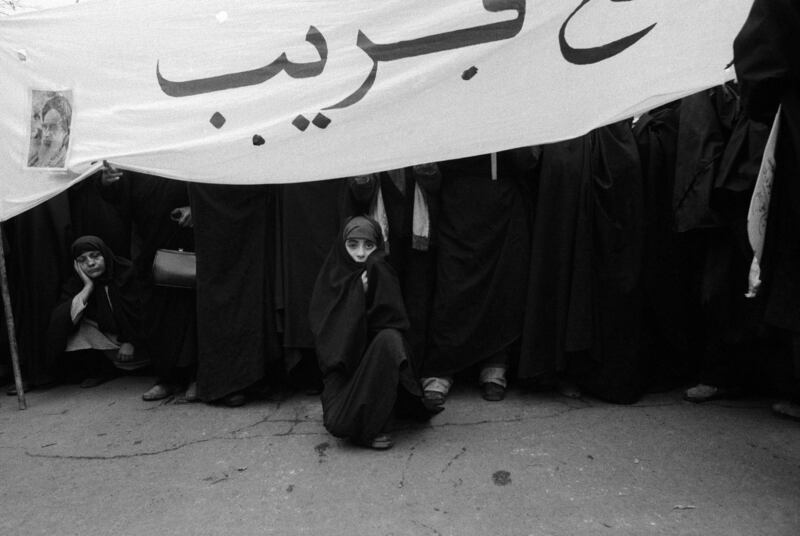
(99,312)
(358,320)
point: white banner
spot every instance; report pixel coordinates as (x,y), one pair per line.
(758,213)
(250,91)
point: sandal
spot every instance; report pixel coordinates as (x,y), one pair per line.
(380,442)
(159,391)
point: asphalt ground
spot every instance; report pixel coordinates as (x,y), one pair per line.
(103,462)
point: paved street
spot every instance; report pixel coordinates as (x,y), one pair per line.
(101,462)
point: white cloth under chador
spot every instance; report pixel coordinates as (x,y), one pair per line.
(90,337)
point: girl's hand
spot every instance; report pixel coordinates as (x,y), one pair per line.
(87,281)
(364,281)
(125,353)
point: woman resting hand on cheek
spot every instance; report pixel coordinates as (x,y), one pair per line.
(99,316)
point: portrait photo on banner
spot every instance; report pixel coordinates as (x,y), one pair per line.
(51,119)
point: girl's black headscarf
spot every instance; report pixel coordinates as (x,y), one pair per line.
(343,317)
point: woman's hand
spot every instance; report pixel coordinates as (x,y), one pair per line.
(361,180)
(87,281)
(110,174)
(182,216)
(125,353)
(364,280)
(426,169)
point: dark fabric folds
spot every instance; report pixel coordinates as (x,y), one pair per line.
(768,67)
(584,293)
(706,121)
(170,324)
(92,214)
(236,325)
(38,257)
(482,255)
(667,314)
(308,225)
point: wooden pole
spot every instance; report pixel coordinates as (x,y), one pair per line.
(12,334)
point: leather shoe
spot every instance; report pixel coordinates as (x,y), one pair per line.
(159,391)
(433,398)
(234,400)
(493,392)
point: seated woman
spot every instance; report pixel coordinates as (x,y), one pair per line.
(99,310)
(358,319)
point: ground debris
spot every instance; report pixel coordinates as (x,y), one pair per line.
(684,507)
(501,478)
(216,478)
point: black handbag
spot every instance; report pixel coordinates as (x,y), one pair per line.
(175,268)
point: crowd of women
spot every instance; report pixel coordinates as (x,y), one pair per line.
(613,264)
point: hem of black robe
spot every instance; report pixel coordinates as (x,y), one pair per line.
(232,387)
(359,406)
(429,371)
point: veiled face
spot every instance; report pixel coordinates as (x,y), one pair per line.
(359,248)
(92,263)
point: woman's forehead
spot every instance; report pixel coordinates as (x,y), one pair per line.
(90,253)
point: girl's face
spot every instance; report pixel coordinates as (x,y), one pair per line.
(92,263)
(359,248)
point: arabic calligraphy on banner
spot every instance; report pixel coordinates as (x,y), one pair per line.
(228,91)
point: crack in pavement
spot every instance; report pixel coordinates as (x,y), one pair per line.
(228,436)
(421,524)
(297,420)
(402,482)
(233,435)
(454,458)
(123,456)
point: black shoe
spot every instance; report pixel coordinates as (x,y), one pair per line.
(493,392)
(432,406)
(433,398)
(234,400)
